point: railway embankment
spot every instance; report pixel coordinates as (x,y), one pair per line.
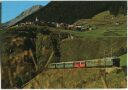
(79,78)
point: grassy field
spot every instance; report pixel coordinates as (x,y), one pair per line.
(104,24)
(78,78)
(123,61)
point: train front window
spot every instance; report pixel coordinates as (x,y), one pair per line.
(82,62)
(77,63)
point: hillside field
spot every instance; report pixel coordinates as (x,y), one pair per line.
(78,78)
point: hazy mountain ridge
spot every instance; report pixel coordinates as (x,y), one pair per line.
(24,14)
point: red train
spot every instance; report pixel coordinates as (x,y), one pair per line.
(79,64)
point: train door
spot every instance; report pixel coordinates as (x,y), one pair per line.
(77,64)
(116,62)
(82,64)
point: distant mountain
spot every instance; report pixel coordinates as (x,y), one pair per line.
(24,14)
(70,11)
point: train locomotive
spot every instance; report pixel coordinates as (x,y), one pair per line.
(106,62)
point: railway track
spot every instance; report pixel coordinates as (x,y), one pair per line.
(45,68)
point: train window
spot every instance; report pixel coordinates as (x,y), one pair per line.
(77,62)
(82,62)
(116,62)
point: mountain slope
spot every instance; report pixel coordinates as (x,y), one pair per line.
(69,12)
(24,14)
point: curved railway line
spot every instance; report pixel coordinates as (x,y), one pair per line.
(105,62)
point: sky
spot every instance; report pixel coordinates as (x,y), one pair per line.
(11,9)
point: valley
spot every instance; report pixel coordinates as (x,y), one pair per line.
(32,41)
